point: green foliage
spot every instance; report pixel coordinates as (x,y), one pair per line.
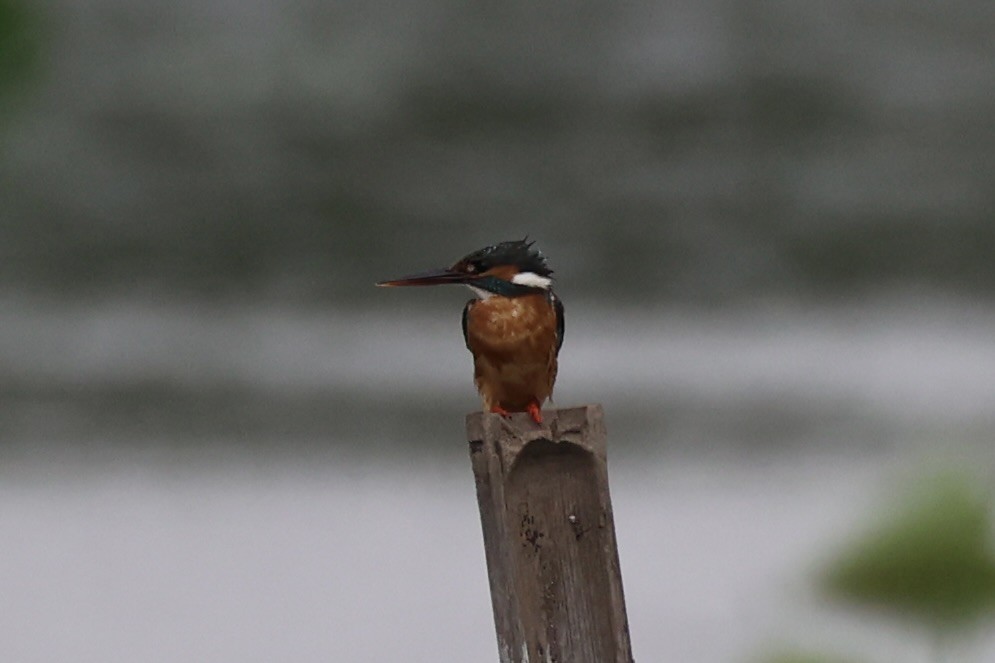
(932,560)
(19,44)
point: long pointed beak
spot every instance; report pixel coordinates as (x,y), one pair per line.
(433,277)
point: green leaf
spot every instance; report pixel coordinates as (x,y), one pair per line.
(931,560)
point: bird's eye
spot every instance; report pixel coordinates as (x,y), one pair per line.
(471,268)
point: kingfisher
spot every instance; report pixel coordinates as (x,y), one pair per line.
(513,327)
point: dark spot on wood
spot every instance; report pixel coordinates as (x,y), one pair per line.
(530,533)
(575,525)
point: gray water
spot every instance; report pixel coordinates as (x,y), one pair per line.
(260,483)
(771,225)
(315,561)
(681,151)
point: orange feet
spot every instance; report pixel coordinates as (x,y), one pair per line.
(534,411)
(497,409)
(533,408)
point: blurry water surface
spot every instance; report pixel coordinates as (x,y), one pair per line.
(246,483)
(772,225)
(687,150)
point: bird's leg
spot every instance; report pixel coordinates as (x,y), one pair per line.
(535,411)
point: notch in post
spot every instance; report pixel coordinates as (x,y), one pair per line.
(549,536)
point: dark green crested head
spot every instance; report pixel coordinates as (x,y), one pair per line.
(520,254)
(509,269)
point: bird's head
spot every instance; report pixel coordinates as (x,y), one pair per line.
(508,269)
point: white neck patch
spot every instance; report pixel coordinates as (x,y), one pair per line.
(480,292)
(532,280)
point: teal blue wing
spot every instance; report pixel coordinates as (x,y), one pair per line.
(466,314)
(558,307)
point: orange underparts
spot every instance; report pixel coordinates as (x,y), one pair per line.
(532,408)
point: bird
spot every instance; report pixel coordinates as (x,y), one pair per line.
(513,326)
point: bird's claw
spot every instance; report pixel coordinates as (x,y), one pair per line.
(535,411)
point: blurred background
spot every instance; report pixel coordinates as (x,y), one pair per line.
(772,225)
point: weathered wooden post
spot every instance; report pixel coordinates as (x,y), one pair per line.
(549,536)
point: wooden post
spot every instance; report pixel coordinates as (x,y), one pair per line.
(549,536)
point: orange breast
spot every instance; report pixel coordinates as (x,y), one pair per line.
(513,341)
